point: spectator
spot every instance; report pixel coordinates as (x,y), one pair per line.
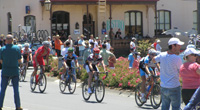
(76,46)
(190,74)
(10,57)
(107,56)
(132,44)
(49,40)
(111,61)
(1,40)
(87,51)
(158,47)
(170,64)
(91,38)
(154,44)
(70,41)
(96,43)
(118,34)
(81,47)
(58,44)
(99,42)
(111,34)
(91,46)
(131,58)
(108,45)
(65,49)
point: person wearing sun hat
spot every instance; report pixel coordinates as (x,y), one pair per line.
(158,47)
(190,74)
(58,44)
(170,64)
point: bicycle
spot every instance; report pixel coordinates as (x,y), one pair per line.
(97,87)
(22,72)
(40,80)
(71,82)
(154,93)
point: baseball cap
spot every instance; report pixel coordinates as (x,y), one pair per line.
(133,38)
(189,51)
(175,41)
(158,41)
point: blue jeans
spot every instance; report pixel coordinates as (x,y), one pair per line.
(171,96)
(81,53)
(73,72)
(4,83)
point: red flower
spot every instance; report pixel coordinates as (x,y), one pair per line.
(121,78)
(52,69)
(158,73)
(107,84)
(104,77)
(138,79)
(120,84)
(48,75)
(108,71)
(138,71)
(129,83)
(113,74)
(60,73)
(131,72)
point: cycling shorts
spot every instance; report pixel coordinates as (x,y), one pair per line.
(40,61)
(143,73)
(93,66)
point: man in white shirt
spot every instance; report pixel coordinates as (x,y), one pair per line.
(170,64)
(65,50)
(91,38)
(108,45)
(70,40)
(132,44)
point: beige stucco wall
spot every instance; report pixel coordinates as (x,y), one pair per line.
(17,10)
(181,12)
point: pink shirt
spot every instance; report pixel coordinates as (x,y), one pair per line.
(191,80)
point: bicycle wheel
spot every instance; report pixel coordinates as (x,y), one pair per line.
(20,74)
(138,95)
(33,82)
(85,93)
(23,73)
(99,91)
(62,86)
(42,83)
(156,96)
(72,84)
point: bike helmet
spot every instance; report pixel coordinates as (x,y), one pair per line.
(46,43)
(96,50)
(26,45)
(152,52)
(70,49)
(20,46)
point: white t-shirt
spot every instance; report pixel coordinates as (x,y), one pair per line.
(132,45)
(64,51)
(96,44)
(158,48)
(108,46)
(169,69)
(91,40)
(71,42)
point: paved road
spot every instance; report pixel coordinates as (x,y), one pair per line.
(52,99)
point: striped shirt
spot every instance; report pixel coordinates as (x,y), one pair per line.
(169,69)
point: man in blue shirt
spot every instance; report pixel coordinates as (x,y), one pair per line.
(131,59)
(10,57)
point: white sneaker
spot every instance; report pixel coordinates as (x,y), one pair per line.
(143,99)
(89,90)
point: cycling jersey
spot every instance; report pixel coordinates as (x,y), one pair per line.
(40,51)
(143,61)
(70,61)
(25,53)
(94,62)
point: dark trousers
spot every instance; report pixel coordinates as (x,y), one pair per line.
(4,83)
(58,52)
(187,94)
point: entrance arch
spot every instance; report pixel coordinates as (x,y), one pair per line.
(61,24)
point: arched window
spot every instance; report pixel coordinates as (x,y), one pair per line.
(163,21)
(195,19)
(9,23)
(133,23)
(30,21)
(60,24)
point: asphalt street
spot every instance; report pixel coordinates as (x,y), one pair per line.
(53,99)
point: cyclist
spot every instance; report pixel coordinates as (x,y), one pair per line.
(27,54)
(146,71)
(38,60)
(69,60)
(90,65)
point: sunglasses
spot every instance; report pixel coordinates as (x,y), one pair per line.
(96,53)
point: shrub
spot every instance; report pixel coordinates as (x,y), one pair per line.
(143,46)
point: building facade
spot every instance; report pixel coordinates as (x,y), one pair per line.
(75,17)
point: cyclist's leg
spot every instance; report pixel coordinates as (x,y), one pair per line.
(142,74)
(90,75)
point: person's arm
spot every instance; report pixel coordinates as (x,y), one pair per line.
(104,66)
(112,59)
(158,66)
(36,59)
(47,59)
(77,64)
(147,69)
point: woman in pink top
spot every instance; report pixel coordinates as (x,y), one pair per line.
(190,74)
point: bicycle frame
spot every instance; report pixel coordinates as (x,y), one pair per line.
(154,80)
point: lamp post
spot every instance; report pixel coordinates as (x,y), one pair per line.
(47,5)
